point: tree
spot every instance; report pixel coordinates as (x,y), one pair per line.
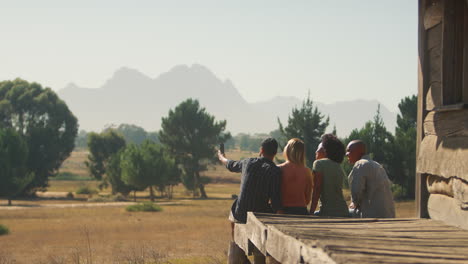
(379,142)
(405,141)
(192,135)
(145,166)
(114,175)
(44,121)
(101,148)
(172,175)
(308,124)
(250,142)
(14,174)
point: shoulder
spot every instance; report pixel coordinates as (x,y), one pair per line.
(268,164)
(364,165)
(318,164)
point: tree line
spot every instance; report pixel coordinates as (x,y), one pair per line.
(38,132)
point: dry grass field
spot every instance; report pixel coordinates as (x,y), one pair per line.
(186,231)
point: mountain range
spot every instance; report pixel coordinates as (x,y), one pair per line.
(131,97)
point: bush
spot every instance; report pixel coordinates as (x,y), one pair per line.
(70,195)
(86,190)
(105,199)
(144,207)
(4,230)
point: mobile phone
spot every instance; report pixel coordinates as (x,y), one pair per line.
(221,148)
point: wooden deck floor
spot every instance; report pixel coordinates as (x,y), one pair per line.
(309,239)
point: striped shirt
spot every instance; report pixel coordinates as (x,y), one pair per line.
(260,189)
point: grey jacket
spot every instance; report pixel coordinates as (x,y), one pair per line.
(371,189)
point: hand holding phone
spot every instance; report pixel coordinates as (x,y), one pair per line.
(221,148)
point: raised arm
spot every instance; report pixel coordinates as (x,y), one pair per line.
(231,165)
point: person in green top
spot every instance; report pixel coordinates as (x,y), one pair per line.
(329,176)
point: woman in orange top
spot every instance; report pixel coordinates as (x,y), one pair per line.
(296,179)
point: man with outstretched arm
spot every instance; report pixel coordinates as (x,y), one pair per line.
(259,191)
(370,187)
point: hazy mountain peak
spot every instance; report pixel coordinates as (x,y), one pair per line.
(71,85)
(198,68)
(195,70)
(131,97)
(125,77)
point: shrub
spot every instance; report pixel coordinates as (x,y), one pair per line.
(4,230)
(70,195)
(144,207)
(105,199)
(86,190)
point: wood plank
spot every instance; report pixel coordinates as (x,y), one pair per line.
(396,252)
(436,250)
(452,52)
(452,187)
(448,210)
(287,249)
(309,239)
(347,257)
(460,191)
(433,38)
(433,14)
(465,57)
(420,186)
(445,157)
(434,96)
(241,237)
(447,124)
(433,66)
(439,185)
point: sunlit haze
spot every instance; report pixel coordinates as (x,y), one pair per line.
(339,50)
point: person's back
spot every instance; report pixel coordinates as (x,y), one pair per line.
(331,197)
(296,185)
(259,184)
(371,189)
(329,176)
(296,179)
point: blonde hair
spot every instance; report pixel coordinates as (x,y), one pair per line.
(294,151)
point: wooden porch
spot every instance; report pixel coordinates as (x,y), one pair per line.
(309,239)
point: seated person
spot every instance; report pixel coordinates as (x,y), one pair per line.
(329,177)
(296,179)
(370,187)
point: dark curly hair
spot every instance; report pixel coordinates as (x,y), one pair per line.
(334,147)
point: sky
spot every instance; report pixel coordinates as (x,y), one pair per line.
(338,50)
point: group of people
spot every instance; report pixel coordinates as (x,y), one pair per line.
(290,187)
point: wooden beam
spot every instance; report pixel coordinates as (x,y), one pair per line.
(448,210)
(447,124)
(445,157)
(310,239)
(465,57)
(433,14)
(287,249)
(452,52)
(421,189)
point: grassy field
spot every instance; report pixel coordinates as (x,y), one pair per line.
(186,231)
